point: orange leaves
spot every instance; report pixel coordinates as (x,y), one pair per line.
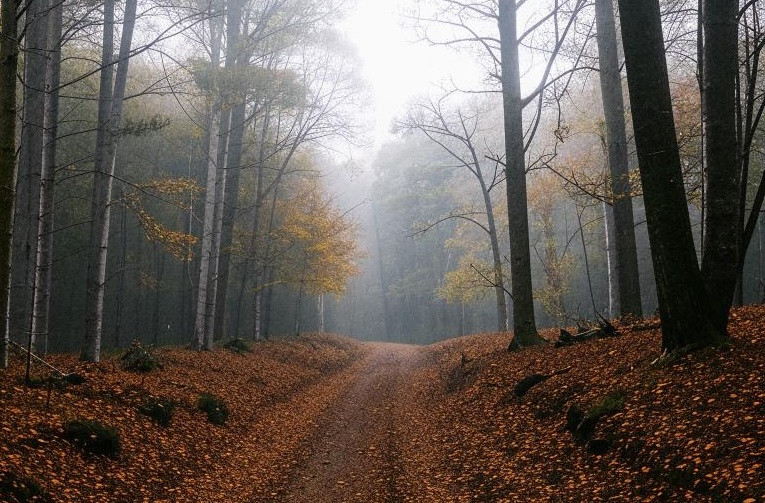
(689,432)
(191,460)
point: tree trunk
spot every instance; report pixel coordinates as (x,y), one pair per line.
(214,267)
(109,120)
(626,261)
(203,338)
(611,260)
(233,169)
(524,324)
(27,207)
(722,239)
(683,302)
(44,258)
(9,53)
(234,135)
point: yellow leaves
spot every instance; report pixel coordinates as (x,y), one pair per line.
(179,191)
(318,242)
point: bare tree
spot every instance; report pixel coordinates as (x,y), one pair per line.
(472,21)
(457,133)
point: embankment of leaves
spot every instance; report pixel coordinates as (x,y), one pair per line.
(272,394)
(690,431)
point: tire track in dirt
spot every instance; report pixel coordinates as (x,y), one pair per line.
(353,454)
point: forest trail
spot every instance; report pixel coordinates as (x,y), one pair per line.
(323,418)
(353,453)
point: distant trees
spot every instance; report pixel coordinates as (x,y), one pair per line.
(316,245)
(462,136)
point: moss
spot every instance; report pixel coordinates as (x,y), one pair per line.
(93,437)
(215,407)
(140,359)
(159,410)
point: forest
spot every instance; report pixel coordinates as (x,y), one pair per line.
(184,174)
(233,270)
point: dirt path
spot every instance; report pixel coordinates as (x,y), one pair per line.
(353,454)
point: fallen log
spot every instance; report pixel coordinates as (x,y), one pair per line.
(606,329)
(528,382)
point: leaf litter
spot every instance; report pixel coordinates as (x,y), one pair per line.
(448,428)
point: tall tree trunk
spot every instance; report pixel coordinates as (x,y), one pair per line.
(110,107)
(524,324)
(9,53)
(722,239)
(613,108)
(235,136)
(683,301)
(203,338)
(27,208)
(44,258)
(214,266)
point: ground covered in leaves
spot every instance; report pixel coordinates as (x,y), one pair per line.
(323,418)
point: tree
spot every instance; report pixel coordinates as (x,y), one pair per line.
(318,245)
(27,204)
(457,134)
(208,262)
(8,68)
(684,305)
(722,238)
(524,324)
(44,252)
(618,164)
(110,106)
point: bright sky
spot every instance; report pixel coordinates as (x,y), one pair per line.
(397,67)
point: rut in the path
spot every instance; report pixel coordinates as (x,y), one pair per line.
(353,453)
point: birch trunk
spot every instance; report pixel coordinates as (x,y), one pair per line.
(202,340)
(234,136)
(611,259)
(44,259)
(110,107)
(203,337)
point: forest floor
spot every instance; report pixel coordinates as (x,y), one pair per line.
(326,419)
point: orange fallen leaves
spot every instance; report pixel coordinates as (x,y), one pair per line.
(693,431)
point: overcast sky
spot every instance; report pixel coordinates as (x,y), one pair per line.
(397,67)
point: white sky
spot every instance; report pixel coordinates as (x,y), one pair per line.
(395,66)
